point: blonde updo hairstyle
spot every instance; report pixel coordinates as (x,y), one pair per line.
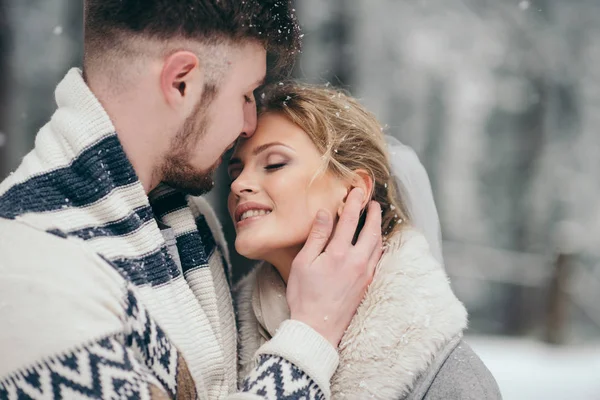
(347,135)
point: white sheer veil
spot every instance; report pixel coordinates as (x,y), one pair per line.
(415,188)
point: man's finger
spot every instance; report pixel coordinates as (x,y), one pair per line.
(370,235)
(374,259)
(346,226)
(318,237)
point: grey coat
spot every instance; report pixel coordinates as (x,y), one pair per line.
(456,373)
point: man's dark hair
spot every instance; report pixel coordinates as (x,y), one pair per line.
(271,23)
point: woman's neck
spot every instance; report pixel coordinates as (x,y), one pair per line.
(282,261)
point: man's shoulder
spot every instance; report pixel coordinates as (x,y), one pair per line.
(32,253)
(56,293)
(25,241)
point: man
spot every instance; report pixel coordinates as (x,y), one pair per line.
(112,278)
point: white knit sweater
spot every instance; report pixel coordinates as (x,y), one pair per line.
(92,304)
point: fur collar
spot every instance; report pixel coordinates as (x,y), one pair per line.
(409,313)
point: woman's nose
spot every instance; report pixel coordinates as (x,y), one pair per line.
(243,184)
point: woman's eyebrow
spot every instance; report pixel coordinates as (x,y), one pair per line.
(257,150)
(265,146)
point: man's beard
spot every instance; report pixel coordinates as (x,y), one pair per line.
(177,170)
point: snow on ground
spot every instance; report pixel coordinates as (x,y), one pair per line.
(526,369)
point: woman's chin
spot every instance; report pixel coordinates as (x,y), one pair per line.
(248,250)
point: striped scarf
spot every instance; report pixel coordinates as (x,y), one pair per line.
(78,183)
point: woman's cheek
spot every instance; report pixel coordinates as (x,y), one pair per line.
(286,185)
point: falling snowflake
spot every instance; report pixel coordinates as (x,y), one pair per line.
(58,30)
(524,4)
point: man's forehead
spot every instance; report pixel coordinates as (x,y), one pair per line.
(242,76)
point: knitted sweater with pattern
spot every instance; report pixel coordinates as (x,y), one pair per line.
(92,303)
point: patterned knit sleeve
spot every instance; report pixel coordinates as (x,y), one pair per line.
(297,363)
(137,362)
(104,369)
(79,331)
(276,378)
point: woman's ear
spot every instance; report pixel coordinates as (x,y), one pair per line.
(363,180)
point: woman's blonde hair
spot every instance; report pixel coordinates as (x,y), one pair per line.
(348,136)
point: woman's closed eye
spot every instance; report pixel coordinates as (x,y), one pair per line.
(275,166)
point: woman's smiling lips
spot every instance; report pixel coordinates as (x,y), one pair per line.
(249,211)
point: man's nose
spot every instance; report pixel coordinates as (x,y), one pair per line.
(250,120)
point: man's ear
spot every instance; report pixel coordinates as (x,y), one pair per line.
(182,80)
(363,180)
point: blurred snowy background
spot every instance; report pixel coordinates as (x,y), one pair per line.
(501,100)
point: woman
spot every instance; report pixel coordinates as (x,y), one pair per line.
(311,147)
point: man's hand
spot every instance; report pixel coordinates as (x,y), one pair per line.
(326,287)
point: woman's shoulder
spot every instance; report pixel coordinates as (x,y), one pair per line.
(457,373)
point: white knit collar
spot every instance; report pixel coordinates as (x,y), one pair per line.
(88,121)
(89,189)
(79,125)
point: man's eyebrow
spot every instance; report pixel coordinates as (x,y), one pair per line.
(237,161)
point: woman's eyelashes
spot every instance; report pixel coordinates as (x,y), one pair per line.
(270,164)
(275,166)
(275,161)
